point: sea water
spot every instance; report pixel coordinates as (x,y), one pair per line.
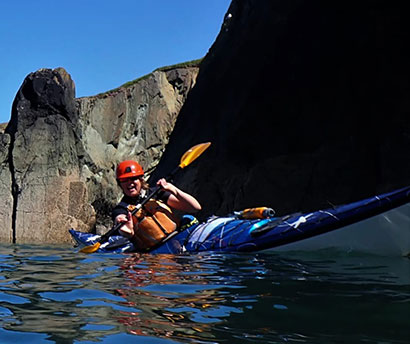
(58,295)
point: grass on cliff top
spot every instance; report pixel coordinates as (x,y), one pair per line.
(3,127)
(193,63)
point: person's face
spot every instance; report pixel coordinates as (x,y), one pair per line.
(131,186)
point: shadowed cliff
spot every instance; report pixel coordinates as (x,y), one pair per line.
(306,103)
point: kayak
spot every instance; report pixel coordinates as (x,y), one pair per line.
(379,225)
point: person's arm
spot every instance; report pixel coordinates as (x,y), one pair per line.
(179,199)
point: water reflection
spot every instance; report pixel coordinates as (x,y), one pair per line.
(52,286)
(265,297)
(178,296)
(62,296)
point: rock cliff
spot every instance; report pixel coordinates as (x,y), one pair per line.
(58,153)
(306,104)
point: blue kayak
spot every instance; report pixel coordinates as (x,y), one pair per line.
(379,224)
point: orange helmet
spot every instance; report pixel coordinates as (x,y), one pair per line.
(128,169)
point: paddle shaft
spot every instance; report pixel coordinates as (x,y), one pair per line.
(190,155)
(114,229)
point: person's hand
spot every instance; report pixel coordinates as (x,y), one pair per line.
(179,199)
(127,230)
(167,186)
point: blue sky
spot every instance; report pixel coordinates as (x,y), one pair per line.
(101,43)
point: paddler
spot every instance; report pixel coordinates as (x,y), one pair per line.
(156,220)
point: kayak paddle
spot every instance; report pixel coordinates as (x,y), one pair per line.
(189,156)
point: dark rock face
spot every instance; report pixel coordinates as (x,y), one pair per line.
(306,103)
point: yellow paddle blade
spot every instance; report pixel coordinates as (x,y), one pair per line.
(193,153)
(91,249)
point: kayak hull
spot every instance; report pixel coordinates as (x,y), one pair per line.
(385,234)
(379,225)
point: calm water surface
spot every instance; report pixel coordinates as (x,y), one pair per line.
(57,295)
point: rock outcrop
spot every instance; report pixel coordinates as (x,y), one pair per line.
(42,166)
(58,153)
(306,104)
